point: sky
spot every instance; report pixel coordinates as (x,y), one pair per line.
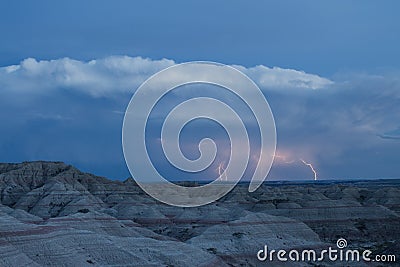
(329,70)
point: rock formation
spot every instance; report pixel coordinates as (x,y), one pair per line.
(53,214)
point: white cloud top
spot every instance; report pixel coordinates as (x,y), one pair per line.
(116,74)
(100,77)
(276,78)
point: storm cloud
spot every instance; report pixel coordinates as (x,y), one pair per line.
(70,110)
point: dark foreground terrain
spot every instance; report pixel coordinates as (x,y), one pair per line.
(53,214)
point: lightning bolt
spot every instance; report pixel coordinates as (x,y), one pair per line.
(287,158)
(311,167)
(221,170)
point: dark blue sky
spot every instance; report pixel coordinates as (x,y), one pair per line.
(314,36)
(343,117)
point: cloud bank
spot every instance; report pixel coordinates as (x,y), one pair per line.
(123,74)
(277,78)
(102,77)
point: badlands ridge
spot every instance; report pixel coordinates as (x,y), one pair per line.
(52,214)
